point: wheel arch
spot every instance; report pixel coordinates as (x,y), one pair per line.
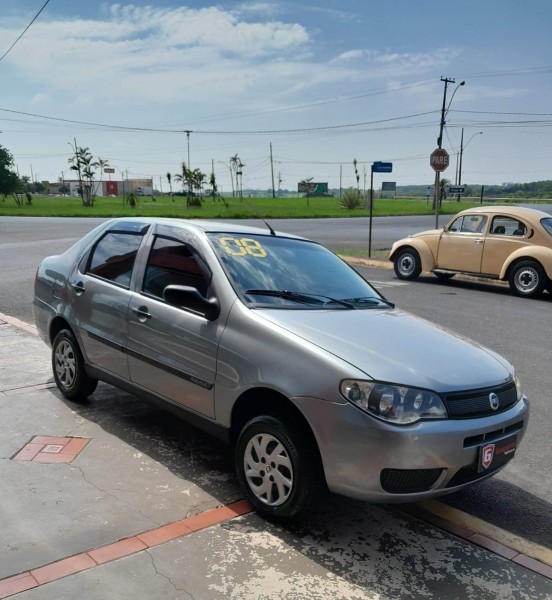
(542,256)
(426,256)
(266,401)
(58,323)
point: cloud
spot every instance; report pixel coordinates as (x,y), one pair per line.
(144,53)
(395,62)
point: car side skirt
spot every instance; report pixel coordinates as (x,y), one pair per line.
(207,425)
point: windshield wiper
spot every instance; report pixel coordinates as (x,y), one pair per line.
(372,300)
(300,297)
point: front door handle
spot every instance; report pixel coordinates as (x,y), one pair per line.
(143,313)
(478,241)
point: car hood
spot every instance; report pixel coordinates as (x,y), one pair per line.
(396,347)
(428,232)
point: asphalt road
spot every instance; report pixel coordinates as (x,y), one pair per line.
(519,498)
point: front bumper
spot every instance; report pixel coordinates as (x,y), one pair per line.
(368,459)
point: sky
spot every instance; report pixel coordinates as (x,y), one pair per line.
(322,82)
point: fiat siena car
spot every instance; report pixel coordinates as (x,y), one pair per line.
(276,345)
(513,244)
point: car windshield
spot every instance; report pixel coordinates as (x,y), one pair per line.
(287,273)
(547,224)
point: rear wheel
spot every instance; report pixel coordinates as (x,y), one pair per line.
(68,366)
(407,264)
(527,278)
(278,468)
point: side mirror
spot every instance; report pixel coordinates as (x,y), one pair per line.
(183,296)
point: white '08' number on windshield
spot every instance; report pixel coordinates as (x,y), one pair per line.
(242,247)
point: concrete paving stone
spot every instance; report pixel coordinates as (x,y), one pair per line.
(24,359)
(345,551)
(141,470)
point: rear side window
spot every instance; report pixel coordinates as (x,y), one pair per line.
(172,263)
(113,257)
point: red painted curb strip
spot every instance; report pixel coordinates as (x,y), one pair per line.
(125,547)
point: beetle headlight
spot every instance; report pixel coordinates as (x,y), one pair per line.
(394,403)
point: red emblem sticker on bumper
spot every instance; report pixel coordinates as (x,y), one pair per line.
(487,454)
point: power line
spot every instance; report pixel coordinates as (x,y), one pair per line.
(24,31)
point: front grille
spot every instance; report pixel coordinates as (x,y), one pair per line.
(491,436)
(476,403)
(408,481)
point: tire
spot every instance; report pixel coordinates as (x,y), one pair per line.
(278,468)
(68,367)
(407,264)
(527,278)
(444,276)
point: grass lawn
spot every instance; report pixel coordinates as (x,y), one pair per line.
(235,208)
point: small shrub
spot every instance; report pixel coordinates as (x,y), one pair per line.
(351,199)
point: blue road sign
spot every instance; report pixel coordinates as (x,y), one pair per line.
(382,167)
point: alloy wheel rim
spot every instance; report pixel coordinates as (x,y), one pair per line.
(65,363)
(268,469)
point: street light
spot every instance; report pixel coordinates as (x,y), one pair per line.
(462,148)
(444,111)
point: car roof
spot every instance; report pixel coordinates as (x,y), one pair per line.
(206,226)
(531,214)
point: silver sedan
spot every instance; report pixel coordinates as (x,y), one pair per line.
(274,344)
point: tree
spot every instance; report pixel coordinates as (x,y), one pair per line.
(82,163)
(10,184)
(101,164)
(213,185)
(169,179)
(444,183)
(235,163)
(189,179)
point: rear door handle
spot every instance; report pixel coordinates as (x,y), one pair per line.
(78,287)
(478,241)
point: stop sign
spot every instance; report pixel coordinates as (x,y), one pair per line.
(439,159)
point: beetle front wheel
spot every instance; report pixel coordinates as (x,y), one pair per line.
(407,264)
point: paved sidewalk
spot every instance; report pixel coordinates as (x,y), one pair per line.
(116,499)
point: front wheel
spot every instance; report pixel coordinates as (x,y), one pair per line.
(527,278)
(68,366)
(407,264)
(278,468)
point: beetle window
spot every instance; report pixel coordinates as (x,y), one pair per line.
(171,263)
(113,257)
(469,224)
(547,224)
(508,226)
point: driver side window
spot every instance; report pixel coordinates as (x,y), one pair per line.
(172,263)
(469,224)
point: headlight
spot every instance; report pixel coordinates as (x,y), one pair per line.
(393,403)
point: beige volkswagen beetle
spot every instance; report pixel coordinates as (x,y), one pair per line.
(512,244)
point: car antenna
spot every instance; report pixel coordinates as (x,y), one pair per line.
(252,209)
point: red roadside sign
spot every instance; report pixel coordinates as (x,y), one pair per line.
(439,159)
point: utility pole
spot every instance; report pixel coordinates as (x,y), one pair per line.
(272,171)
(444,110)
(340,178)
(458,179)
(187,132)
